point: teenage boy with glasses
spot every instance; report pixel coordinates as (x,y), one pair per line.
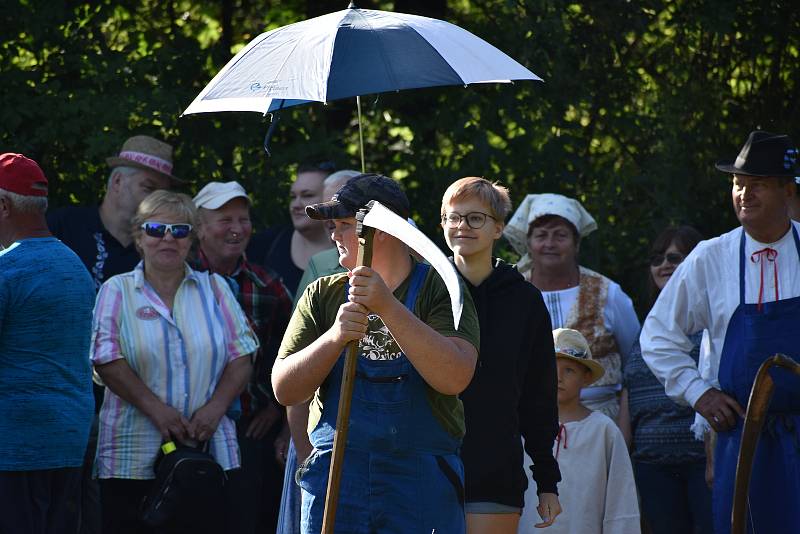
(513,393)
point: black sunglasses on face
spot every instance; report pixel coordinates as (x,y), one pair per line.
(673,258)
(475,219)
(157,229)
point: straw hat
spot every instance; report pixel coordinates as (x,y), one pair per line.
(571,344)
(145,152)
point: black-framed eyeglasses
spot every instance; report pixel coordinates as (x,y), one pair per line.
(475,219)
(159,230)
(673,258)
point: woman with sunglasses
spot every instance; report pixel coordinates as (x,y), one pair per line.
(547,230)
(512,395)
(172,346)
(669,463)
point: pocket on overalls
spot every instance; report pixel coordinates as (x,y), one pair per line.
(302,472)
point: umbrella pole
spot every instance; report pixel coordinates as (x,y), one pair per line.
(346,394)
(360,134)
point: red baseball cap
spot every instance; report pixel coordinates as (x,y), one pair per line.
(22,175)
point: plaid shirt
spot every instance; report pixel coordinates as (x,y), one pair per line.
(266,303)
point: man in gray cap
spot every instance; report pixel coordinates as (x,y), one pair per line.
(224,230)
(743,287)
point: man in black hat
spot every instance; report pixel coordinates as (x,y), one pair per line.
(402,472)
(743,287)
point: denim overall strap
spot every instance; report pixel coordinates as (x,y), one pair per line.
(754,334)
(390,409)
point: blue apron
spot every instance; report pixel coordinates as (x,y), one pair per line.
(401,472)
(756,332)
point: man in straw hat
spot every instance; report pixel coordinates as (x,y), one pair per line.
(46,301)
(597,488)
(744,288)
(101,237)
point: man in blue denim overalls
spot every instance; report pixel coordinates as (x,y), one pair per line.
(402,473)
(743,287)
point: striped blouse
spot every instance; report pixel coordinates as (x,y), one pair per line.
(180,356)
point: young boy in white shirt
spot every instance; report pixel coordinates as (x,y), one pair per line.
(597,489)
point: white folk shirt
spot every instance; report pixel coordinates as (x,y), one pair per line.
(702,294)
(597,491)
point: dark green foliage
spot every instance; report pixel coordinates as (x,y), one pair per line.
(640,99)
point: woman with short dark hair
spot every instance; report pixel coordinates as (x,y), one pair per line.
(669,464)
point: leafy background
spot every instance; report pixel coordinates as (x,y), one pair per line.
(640,99)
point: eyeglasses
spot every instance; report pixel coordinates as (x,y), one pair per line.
(157,229)
(475,219)
(673,258)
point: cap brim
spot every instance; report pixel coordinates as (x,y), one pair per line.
(122,162)
(333,209)
(595,368)
(221,200)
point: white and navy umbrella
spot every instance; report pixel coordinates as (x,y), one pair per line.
(350,53)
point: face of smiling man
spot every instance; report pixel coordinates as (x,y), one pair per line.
(225,232)
(761,204)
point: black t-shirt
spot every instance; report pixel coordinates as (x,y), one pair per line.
(272,249)
(82,230)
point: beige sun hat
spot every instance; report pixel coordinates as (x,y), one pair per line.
(571,344)
(145,152)
(535,206)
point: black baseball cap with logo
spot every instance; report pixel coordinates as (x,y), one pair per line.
(357,193)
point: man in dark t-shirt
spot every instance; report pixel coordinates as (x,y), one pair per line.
(101,237)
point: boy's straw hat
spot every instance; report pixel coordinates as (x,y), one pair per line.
(572,345)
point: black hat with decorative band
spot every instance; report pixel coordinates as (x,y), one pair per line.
(764,154)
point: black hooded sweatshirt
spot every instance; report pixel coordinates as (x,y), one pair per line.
(512,394)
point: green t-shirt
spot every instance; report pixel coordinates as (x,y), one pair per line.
(316,312)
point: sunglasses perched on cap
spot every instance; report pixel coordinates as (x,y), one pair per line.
(475,219)
(157,229)
(673,258)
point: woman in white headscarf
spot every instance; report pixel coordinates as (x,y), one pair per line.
(547,230)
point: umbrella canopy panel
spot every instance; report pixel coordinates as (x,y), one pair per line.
(349,53)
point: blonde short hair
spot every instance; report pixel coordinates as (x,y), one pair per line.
(490,193)
(178,205)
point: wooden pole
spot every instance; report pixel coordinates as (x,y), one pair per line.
(365,234)
(757,406)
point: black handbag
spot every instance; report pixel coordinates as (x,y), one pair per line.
(187,491)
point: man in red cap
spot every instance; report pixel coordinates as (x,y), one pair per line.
(46,302)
